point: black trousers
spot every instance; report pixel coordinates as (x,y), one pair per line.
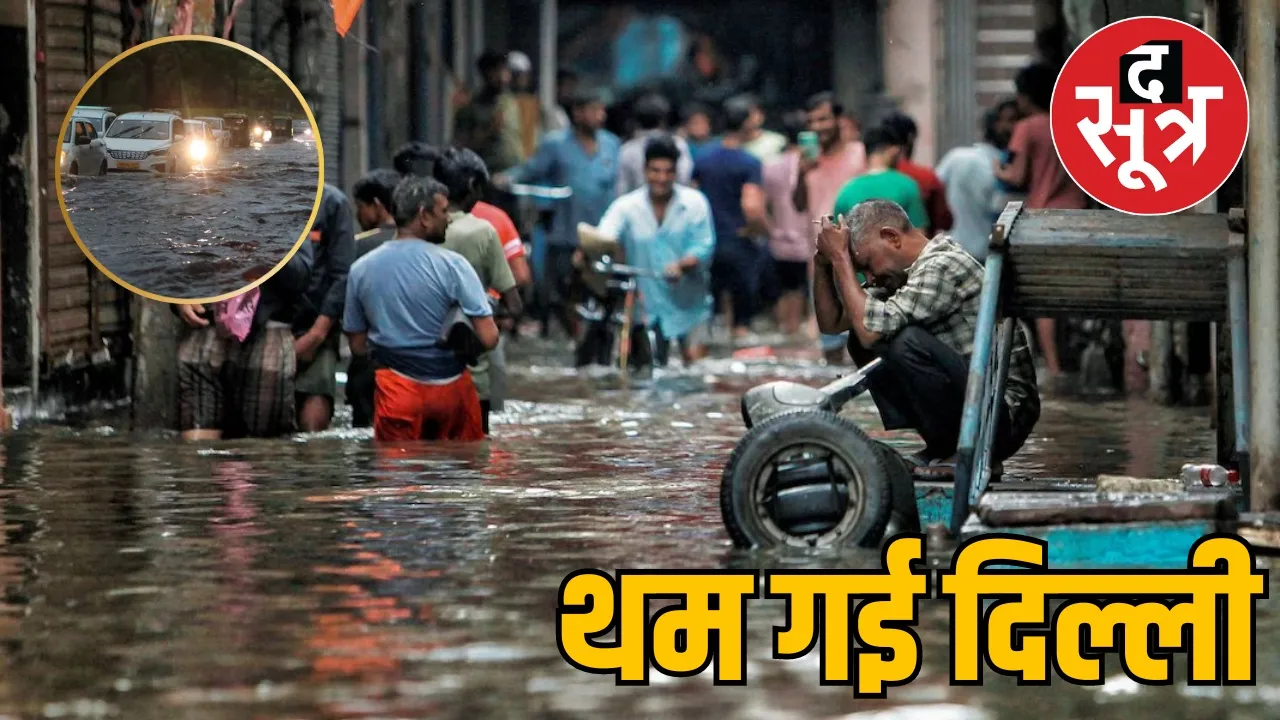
(359,390)
(921,385)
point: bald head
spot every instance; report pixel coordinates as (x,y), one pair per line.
(883,241)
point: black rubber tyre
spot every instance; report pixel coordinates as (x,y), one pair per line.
(864,470)
(905,514)
(74,169)
(102,169)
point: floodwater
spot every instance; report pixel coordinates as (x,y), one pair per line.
(319,577)
(195,236)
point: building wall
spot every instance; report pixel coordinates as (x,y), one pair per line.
(856,68)
(82,311)
(912,59)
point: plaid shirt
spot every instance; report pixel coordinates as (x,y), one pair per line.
(941,295)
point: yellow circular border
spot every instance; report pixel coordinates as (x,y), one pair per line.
(315,210)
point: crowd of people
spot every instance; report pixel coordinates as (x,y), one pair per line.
(723,212)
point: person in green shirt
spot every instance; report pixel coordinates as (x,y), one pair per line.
(464,174)
(881,181)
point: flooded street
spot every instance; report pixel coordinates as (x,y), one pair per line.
(323,578)
(194,236)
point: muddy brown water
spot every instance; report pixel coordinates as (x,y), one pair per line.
(195,235)
(322,577)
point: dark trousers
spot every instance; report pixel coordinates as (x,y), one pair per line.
(484,416)
(921,385)
(735,269)
(359,390)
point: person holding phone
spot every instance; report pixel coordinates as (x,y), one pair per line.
(821,178)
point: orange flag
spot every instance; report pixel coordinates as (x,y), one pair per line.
(344,13)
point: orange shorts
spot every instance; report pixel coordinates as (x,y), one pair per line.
(405,410)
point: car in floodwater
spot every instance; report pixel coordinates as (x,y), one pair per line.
(83,151)
(100,116)
(239,129)
(148,142)
(219,131)
(281,128)
(201,144)
(302,131)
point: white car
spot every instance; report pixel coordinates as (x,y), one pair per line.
(83,152)
(149,142)
(220,132)
(100,116)
(202,145)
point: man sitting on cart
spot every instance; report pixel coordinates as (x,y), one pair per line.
(918,313)
(666,228)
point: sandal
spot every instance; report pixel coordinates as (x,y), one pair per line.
(936,470)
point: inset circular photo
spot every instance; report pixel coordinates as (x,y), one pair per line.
(191,169)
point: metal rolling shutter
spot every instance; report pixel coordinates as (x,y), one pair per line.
(1006,43)
(81,307)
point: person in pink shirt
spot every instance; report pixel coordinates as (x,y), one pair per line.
(822,179)
(791,235)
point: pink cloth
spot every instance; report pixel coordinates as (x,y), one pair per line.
(793,238)
(234,317)
(1048,184)
(831,174)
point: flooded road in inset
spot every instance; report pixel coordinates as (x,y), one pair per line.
(194,236)
(321,577)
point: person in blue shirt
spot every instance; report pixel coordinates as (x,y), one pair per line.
(399,297)
(1007,116)
(731,179)
(585,159)
(667,228)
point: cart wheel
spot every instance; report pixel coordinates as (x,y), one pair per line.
(808,479)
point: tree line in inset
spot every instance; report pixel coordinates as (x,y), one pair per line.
(190,75)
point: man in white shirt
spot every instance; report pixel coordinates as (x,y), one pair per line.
(968,174)
(667,228)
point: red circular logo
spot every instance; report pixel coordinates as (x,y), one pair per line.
(1149,116)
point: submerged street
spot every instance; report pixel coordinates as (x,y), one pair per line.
(323,577)
(193,236)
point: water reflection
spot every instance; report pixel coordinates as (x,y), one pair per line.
(324,577)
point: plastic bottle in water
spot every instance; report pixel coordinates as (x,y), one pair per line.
(1207,475)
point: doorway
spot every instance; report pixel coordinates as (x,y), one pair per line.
(15,210)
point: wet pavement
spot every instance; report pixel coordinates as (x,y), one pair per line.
(194,236)
(321,577)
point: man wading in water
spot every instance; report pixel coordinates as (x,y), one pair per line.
(398,299)
(919,317)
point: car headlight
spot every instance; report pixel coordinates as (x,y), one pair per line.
(266,135)
(62,157)
(257,131)
(197,150)
(159,152)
